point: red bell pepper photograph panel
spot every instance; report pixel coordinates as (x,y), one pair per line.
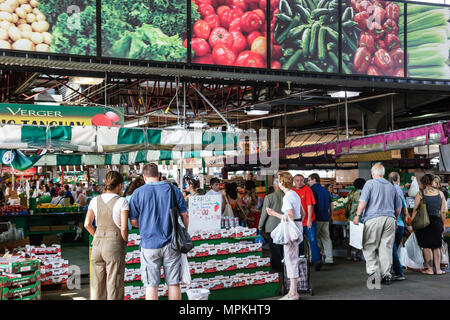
(372,38)
(230,33)
(427,41)
(305,35)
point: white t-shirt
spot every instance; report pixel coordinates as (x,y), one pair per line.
(121,205)
(291,200)
(214,193)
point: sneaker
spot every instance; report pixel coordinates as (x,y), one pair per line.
(386,280)
(399,278)
(288,297)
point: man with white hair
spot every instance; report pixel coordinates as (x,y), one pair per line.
(381,205)
(268,223)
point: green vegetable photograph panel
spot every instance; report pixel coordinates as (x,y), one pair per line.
(146,30)
(372,38)
(427,41)
(306,36)
(56,26)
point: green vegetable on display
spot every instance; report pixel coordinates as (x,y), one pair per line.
(308,33)
(120,17)
(427,41)
(149,43)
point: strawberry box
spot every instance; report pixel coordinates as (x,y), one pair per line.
(18,265)
(16,280)
(8,293)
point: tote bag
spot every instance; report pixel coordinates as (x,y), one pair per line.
(228,212)
(421,220)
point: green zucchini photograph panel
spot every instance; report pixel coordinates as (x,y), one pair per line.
(305,36)
(372,38)
(150,30)
(55,26)
(229,33)
(427,41)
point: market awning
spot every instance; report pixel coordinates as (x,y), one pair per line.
(435,133)
(113,139)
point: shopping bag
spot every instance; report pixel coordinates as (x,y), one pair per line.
(421,220)
(286,232)
(444,252)
(413,250)
(185,273)
(402,255)
(356,235)
(228,212)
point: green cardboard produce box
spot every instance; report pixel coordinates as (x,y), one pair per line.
(15,265)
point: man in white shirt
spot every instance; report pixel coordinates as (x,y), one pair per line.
(215,190)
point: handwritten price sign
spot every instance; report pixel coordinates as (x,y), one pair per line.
(205,213)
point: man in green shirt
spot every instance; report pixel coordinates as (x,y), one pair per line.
(268,223)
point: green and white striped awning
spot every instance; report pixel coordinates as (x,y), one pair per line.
(127,158)
(115,139)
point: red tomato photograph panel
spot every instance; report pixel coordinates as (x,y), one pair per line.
(231,33)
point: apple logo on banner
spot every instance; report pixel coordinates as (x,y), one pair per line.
(108,119)
(8,158)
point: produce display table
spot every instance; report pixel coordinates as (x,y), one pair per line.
(48,223)
(231,267)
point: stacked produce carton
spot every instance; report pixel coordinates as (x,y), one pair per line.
(19,278)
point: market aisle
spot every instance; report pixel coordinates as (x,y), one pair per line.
(343,281)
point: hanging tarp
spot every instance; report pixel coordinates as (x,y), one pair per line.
(128,158)
(19,161)
(113,139)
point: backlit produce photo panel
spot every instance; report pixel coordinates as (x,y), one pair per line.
(427,41)
(56,26)
(144,30)
(372,38)
(305,36)
(229,33)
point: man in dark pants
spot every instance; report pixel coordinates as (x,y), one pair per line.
(268,223)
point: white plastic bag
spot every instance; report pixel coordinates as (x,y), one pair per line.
(413,250)
(356,235)
(286,232)
(402,255)
(444,252)
(185,273)
(198,294)
(414,188)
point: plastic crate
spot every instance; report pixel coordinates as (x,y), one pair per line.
(13,265)
(9,294)
(21,281)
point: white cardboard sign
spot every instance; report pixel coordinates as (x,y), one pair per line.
(205,213)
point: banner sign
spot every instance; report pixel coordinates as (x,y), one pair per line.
(60,115)
(19,161)
(205,213)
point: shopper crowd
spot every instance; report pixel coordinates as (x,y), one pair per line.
(148,200)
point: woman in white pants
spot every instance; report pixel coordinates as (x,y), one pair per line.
(292,207)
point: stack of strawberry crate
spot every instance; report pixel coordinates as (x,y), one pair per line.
(226,262)
(19,279)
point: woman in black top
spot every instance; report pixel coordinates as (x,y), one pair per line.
(430,238)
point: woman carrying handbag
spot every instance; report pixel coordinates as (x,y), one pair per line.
(292,208)
(429,202)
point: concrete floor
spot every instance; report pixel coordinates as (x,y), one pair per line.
(343,281)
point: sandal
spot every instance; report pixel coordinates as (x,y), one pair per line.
(424,272)
(348,258)
(442,272)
